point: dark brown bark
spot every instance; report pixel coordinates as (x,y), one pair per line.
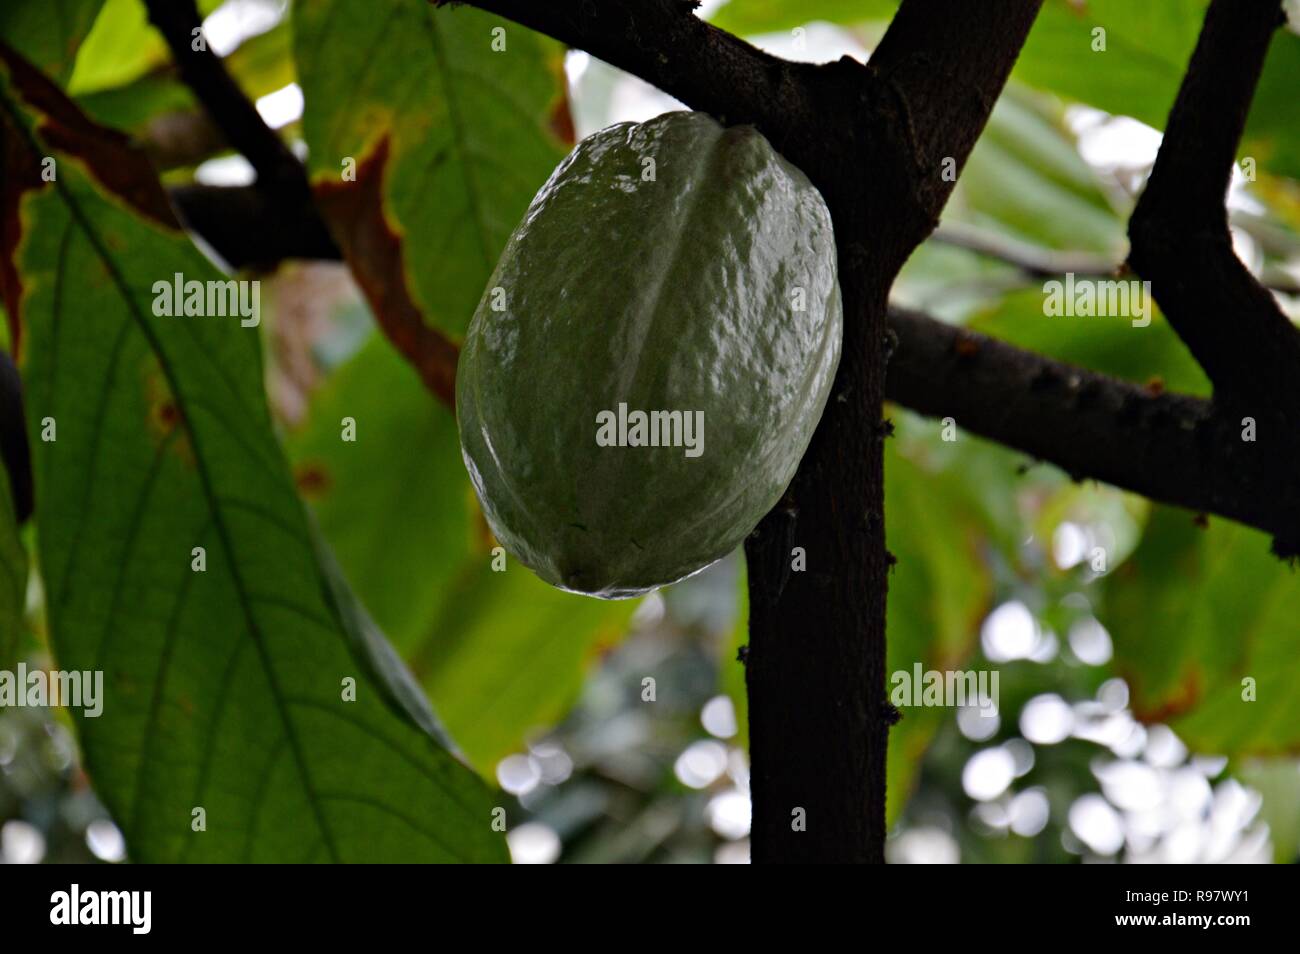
(819,718)
(1181,243)
(248,229)
(14,452)
(1168,447)
(1179,230)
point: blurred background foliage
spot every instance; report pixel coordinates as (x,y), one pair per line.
(1121,631)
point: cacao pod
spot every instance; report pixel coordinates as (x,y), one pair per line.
(651,356)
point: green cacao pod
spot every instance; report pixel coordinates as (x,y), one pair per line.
(651,356)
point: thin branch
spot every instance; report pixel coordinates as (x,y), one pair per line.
(1179,234)
(232,111)
(1032,260)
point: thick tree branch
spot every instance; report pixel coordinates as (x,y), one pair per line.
(1168,447)
(250,229)
(1179,232)
(948,60)
(665,44)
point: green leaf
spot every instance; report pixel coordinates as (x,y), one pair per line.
(224,688)
(1025,178)
(1148,46)
(121,46)
(501,654)
(467,129)
(48,34)
(1193,613)
(749,17)
(13,578)
(733,670)
(1278,781)
(507,655)
(939,590)
(395,504)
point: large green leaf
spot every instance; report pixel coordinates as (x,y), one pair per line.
(225,688)
(1195,612)
(48,34)
(501,653)
(401,529)
(122,46)
(507,655)
(1147,48)
(467,131)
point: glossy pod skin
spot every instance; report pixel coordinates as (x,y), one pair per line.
(671,265)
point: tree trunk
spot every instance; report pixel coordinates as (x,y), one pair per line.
(818,720)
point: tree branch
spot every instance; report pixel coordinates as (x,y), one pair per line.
(234,114)
(665,44)
(948,60)
(282,193)
(1032,260)
(1179,232)
(1168,447)
(250,229)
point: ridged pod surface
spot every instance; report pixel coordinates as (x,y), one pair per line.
(667,266)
